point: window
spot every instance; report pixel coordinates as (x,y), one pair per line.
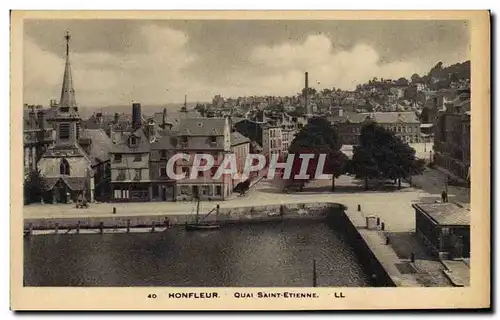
(163,154)
(445,231)
(121,174)
(205,190)
(64,129)
(118,158)
(185,170)
(410,129)
(156,192)
(201,174)
(133,141)
(184,139)
(64,167)
(213,139)
(185,190)
(138,174)
(138,158)
(163,171)
(218,190)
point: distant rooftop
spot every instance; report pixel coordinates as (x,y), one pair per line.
(445,214)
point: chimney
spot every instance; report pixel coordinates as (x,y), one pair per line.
(306,94)
(136,116)
(117,117)
(164,118)
(53,103)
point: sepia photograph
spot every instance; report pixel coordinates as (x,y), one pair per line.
(227,158)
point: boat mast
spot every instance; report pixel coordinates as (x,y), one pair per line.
(197,210)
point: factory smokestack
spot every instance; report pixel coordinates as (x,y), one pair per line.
(306,94)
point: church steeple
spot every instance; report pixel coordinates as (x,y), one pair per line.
(68,101)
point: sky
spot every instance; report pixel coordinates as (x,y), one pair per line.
(115,62)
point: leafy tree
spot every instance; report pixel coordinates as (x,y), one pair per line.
(201,109)
(415,78)
(310,91)
(402,82)
(382,154)
(34,187)
(363,165)
(318,137)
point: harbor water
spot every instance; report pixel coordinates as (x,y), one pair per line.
(277,254)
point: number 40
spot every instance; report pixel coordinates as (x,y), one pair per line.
(152,296)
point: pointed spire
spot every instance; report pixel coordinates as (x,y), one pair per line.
(67,92)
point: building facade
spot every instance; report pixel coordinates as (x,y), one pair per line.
(38,136)
(404,125)
(203,136)
(444,228)
(452,137)
(130,157)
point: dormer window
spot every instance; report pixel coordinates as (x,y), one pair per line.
(184,139)
(133,141)
(213,139)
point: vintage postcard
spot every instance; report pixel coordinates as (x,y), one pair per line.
(231,160)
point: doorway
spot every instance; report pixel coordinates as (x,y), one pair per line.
(196,193)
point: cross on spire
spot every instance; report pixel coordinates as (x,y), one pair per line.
(67,37)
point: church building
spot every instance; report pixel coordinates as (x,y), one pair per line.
(70,165)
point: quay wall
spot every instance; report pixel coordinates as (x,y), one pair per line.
(249,214)
(366,256)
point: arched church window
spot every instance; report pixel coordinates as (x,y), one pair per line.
(64,167)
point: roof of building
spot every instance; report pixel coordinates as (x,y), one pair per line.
(384,117)
(123,146)
(201,127)
(74,183)
(237,138)
(100,146)
(445,214)
(167,141)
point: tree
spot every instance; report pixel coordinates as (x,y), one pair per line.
(34,187)
(415,78)
(402,82)
(363,165)
(310,91)
(201,109)
(382,154)
(318,137)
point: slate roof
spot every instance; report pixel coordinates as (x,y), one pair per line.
(237,138)
(445,214)
(74,183)
(100,146)
(384,117)
(123,146)
(201,127)
(167,141)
